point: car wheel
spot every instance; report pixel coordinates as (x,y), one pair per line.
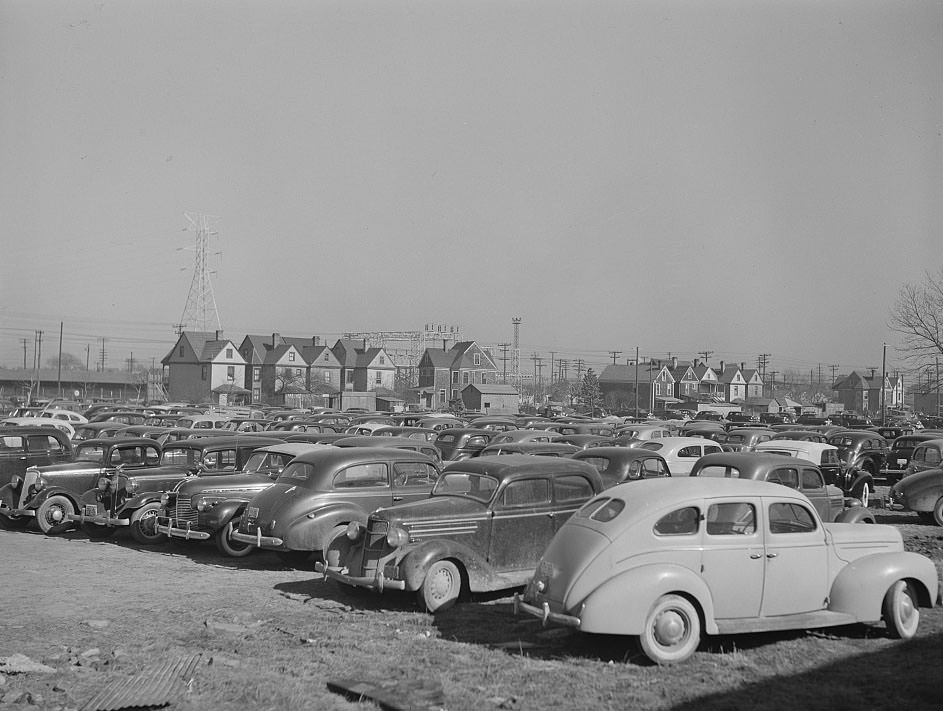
(144,525)
(938,512)
(93,530)
(13,523)
(901,611)
(441,587)
(864,493)
(227,546)
(672,630)
(53,512)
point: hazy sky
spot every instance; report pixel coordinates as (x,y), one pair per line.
(739,177)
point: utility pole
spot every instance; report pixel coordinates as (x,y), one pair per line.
(551,367)
(883,381)
(39,360)
(101,367)
(706,354)
(614,355)
(59,373)
(636,381)
(24,352)
(504,360)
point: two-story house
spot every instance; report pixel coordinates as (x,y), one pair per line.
(731,383)
(444,374)
(363,369)
(205,367)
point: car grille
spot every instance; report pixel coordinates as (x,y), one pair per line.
(183,512)
(374,546)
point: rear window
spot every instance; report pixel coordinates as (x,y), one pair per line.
(446,438)
(362,475)
(719,471)
(599,463)
(475,486)
(602,510)
(680,522)
(572,488)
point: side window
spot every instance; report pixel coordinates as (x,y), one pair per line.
(413,474)
(599,463)
(691,452)
(790,518)
(362,475)
(786,477)
(652,468)
(572,488)
(731,519)
(528,492)
(38,443)
(719,471)
(933,456)
(812,479)
(680,522)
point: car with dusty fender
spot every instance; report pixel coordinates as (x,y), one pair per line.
(208,508)
(921,492)
(799,474)
(131,497)
(51,494)
(482,529)
(667,560)
(619,464)
(319,493)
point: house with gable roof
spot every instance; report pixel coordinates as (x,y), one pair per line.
(862,394)
(707,382)
(686,382)
(731,383)
(655,380)
(443,374)
(205,367)
(361,368)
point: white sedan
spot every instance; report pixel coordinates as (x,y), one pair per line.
(682,452)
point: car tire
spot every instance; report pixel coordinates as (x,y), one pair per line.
(938,512)
(53,512)
(227,546)
(14,523)
(863,493)
(901,610)
(93,530)
(672,630)
(144,523)
(441,587)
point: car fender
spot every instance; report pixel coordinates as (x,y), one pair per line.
(854,479)
(310,531)
(38,499)
(139,501)
(856,514)
(621,603)
(222,513)
(415,560)
(860,586)
(7,497)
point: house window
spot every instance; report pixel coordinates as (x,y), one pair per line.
(455,376)
(442,396)
(231,372)
(379,378)
(291,356)
(465,378)
(477,358)
(350,376)
(203,372)
(327,377)
(181,351)
(326,355)
(297,372)
(256,374)
(382,360)
(455,394)
(229,354)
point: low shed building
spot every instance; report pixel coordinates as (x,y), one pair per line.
(491,399)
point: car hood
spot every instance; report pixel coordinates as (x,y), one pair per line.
(854,540)
(69,467)
(434,508)
(225,484)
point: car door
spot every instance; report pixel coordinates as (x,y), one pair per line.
(796,578)
(733,561)
(521,524)
(12,456)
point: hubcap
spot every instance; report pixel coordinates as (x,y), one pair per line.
(670,628)
(441,584)
(907,610)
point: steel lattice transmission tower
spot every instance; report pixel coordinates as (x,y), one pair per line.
(200,312)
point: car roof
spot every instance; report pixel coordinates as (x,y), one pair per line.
(663,492)
(796,444)
(748,460)
(509,466)
(617,453)
(224,441)
(334,456)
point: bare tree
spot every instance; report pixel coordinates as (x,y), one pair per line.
(918,316)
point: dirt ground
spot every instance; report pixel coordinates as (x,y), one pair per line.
(96,613)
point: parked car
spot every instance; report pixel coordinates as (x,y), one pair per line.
(425,433)
(525,436)
(204,508)
(745,439)
(921,492)
(62,425)
(539,449)
(680,453)
(495,423)
(130,498)
(463,442)
(741,419)
(642,431)
(667,561)
(704,428)
(50,494)
(801,435)
(24,446)
(618,464)
(415,445)
(585,441)
(926,455)
(901,452)
(861,449)
(483,529)
(796,473)
(777,418)
(97,430)
(319,493)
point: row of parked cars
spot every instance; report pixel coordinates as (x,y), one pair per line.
(605,532)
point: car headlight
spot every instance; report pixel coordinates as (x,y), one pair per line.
(204,504)
(131,486)
(164,499)
(104,483)
(354,530)
(397,537)
(16,481)
(39,484)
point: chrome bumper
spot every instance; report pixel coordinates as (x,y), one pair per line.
(168,529)
(378,582)
(544,613)
(18,512)
(258,540)
(100,520)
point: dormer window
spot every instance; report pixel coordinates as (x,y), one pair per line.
(291,356)
(477,358)
(229,354)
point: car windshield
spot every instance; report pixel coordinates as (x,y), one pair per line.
(475,486)
(94,453)
(270,463)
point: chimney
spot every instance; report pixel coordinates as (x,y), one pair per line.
(674,362)
(365,344)
(219,335)
(275,339)
(444,341)
(315,340)
(743,365)
(723,366)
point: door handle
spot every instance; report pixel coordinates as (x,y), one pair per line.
(756,556)
(772,555)
(397,498)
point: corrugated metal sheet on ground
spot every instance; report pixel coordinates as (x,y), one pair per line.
(153,688)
